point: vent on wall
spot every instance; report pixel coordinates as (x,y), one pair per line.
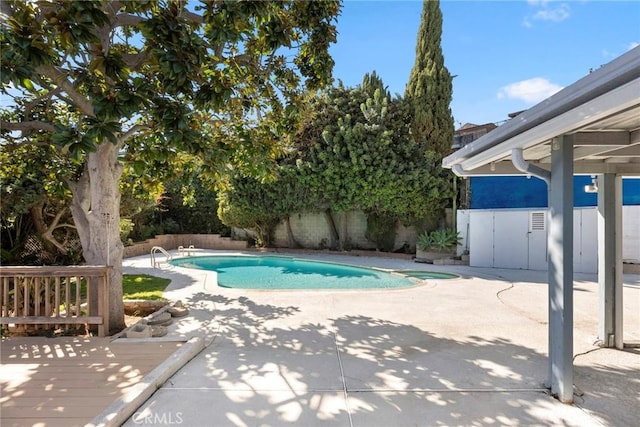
(537,221)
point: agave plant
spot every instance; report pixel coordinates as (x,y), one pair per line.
(439,240)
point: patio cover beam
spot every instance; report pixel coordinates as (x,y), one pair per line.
(614,88)
(604,101)
(619,99)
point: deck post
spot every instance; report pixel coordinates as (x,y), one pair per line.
(610,261)
(560,262)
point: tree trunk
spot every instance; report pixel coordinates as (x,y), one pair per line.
(333,231)
(343,230)
(96,213)
(46,230)
(291,239)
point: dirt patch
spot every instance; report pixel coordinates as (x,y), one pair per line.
(141,308)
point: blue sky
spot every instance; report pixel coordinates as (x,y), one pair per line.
(507,55)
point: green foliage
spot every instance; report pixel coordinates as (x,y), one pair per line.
(126,227)
(368,160)
(382,231)
(35,200)
(220,81)
(157,63)
(439,240)
(193,208)
(372,82)
(161,81)
(247,203)
(353,151)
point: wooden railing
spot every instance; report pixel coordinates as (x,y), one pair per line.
(53,296)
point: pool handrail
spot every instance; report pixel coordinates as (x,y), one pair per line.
(154,251)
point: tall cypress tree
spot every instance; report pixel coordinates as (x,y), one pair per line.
(429,87)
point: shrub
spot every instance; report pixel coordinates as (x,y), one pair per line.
(439,240)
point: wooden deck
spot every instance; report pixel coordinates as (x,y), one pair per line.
(67,381)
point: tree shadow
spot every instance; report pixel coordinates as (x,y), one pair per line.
(267,367)
(69,380)
(602,381)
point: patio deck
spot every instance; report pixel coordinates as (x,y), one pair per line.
(460,352)
(467,351)
(67,381)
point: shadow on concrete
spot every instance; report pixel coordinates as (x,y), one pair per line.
(266,368)
(602,379)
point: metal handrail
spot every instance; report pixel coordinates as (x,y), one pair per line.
(156,249)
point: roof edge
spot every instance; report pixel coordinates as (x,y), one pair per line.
(616,73)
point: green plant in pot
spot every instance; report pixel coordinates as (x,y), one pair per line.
(437,244)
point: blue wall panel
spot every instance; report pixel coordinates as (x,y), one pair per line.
(499,192)
(631,191)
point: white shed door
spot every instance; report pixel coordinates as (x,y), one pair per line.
(510,239)
(481,239)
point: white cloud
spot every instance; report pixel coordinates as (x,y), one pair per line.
(547,11)
(556,14)
(607,54)
(530,91)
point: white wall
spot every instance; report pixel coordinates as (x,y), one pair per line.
(503,238)
(312,231)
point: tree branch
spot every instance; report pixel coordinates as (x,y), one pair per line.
(132,131)
(134,60)
(59,78)
(115,5)
(66,225)
(5,10)
(27,125)
(190,16)
(46,96)
(126,20)
(48,234)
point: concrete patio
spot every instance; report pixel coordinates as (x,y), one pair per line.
(468,351)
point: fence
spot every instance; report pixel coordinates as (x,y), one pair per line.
(173,241)
(47,297)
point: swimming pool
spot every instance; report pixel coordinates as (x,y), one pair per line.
(275,272)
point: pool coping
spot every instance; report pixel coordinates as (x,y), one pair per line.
(416,281)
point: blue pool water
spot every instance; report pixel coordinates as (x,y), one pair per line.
(272,272)
(418,274)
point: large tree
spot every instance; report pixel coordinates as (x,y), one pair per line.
(352,151)
(429,87)
(157,78)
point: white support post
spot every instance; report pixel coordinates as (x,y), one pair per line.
(610,261)
(560,244)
